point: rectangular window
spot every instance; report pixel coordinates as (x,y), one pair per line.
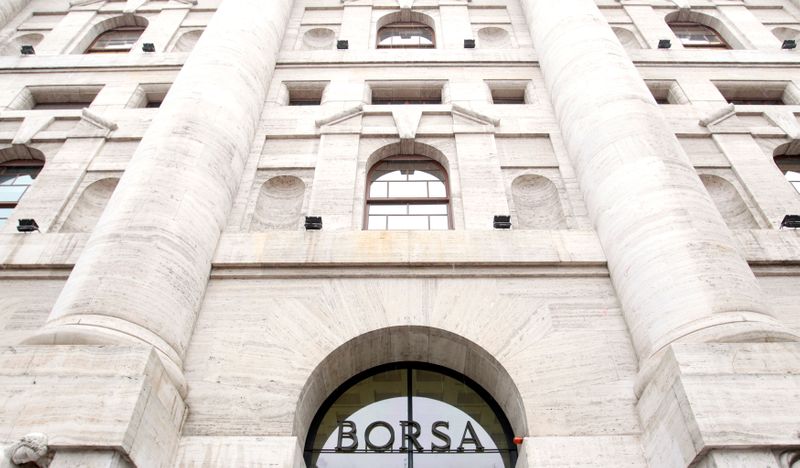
(305,93)
(666,92)
(509,91)
(56,97)
(759,93)
(406,92)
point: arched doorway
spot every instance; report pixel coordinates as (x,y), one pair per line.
(410,414)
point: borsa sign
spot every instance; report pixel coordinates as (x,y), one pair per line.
(350,440)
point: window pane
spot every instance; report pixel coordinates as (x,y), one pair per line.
(408,223)
(378,190)
(408,190)
(376,223)
(7,179)
(24,180)
(5,212)
(389,175)
(11,194)
(437,189)
(427,209)
(388,209)
(425,175)
(439,223)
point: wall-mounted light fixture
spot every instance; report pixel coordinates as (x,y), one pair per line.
(502,222)
(27,225)
(313,223)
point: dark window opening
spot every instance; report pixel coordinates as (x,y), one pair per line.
(406,36)
(116,41)
(405,93)
(16,177)
(697,35)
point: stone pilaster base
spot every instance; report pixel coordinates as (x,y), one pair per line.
(722,405)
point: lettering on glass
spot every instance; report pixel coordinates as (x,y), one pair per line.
(410,433)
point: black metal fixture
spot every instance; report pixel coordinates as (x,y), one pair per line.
(789,44)
(469,43)
(342,44)
(664,43)
(502,222)
(27,225)
(313,223)
(27,50)
(149,47)
(791,222)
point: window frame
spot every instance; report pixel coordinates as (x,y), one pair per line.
(20,163)
(487,397)
(723,44)
(91,49)
(405,25)
(370,201)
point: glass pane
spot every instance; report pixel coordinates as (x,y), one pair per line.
(7,179)
(426,175)
(24,180)
(3,222)
(796,186)
(381,397)
(408,190)
(444,422)
(389,175)
(11,194)
(5,212)
(427,209)
(117,40)
(439,223)
(405,35)
(388,209)
(376,223)
(378,190)
(408,223)
(437,189)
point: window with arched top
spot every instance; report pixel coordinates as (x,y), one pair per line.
(407,193)
(697,35)
(406,35)
(790,167)
(410,414)
(16,177)
(116,41)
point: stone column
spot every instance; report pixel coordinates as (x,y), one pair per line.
(675,266)
(143,273)
(9,9)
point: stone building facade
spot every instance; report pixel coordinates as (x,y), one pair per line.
(174,310)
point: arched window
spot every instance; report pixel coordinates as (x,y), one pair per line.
(15,179)
(693,34)
(789,165)
(408,35)
(407,193)
(116,41)
(410,414)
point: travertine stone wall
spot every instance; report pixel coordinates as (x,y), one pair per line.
(675,267)
(162,224)
(9,8)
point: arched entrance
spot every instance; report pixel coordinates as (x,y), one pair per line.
(410,414)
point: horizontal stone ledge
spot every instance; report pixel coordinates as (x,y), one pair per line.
(54,252)
(679,57)
(67,62)
(472,57)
